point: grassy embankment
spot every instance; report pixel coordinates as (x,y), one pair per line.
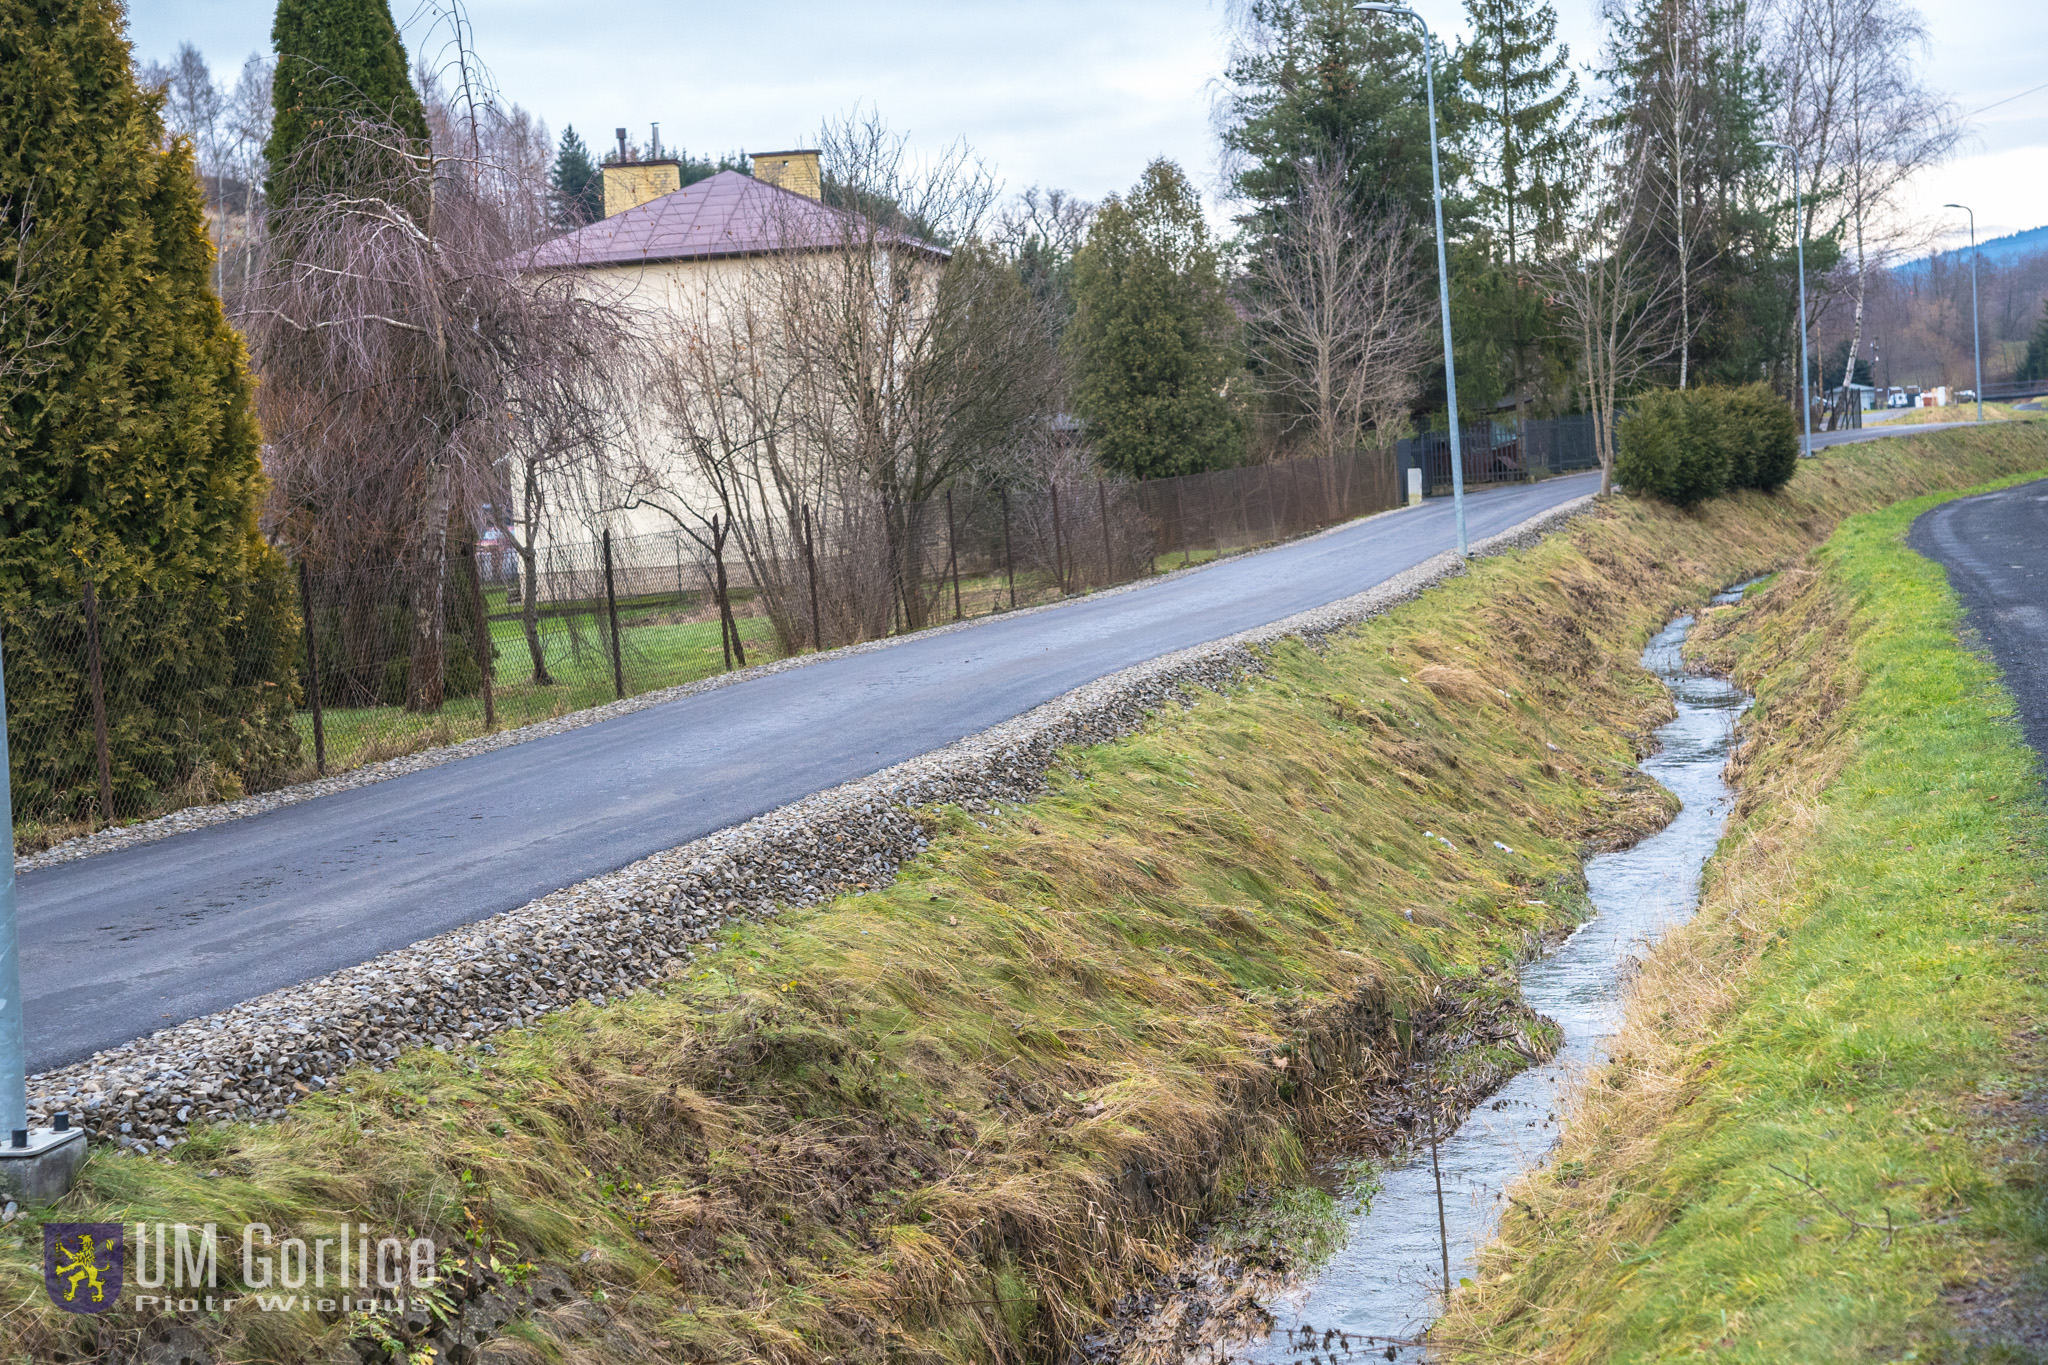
(1821,1140)
(952,1118)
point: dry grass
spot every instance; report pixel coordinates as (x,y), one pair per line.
(953,1119)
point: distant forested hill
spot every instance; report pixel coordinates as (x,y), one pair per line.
(2003,250)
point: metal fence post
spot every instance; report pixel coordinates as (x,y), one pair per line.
(13,1044)
(811,567)
(485,648)
(1009,555)
(1102,509)
(1059,558)
(99,704)
(611,611)
(313,671)
(952,554)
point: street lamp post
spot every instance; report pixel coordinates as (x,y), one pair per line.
(1443,269)
(13,1043)
(1799,242)
(1976,332)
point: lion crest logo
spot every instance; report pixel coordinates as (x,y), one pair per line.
(82,1265)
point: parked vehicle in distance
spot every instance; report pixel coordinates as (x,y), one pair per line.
(1896,398)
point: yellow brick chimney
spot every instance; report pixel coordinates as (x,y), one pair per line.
(794,171)
(629,184)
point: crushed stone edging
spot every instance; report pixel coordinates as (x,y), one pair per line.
(631,928)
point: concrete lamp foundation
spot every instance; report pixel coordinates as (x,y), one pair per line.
(37,1165)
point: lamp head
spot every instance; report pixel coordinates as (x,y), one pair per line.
(1380,8)
(1964,207)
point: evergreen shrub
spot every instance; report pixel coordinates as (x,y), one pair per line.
(1687,446)
(129,451)
(1767,435)
(1671,445)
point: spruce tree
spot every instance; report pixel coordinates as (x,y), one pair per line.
(1691,98)
(1153,334)
(1519,105)
(577,183)
(1519,109)
(1318,79)
(337,61)
(129,451)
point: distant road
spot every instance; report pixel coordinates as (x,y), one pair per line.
(123,943)
(1823,439)
(1995,548)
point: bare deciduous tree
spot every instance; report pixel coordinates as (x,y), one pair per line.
(407,357)
(733,468)
(1339,314)
(1863,122)
(1617,304)
(914,350)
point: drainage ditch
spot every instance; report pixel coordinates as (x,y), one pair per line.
(1376,1296)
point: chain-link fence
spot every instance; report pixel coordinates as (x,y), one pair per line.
(124,708)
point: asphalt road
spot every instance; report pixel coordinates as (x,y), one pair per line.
(1823,439)
(1995,548)
(117,945)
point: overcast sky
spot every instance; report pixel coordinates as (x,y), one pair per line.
(1072,93)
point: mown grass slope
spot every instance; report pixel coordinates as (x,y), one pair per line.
(950,1119)
(1821,1137)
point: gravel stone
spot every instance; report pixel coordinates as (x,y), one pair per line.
(629,929)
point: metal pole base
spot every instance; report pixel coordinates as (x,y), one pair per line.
(42,1171)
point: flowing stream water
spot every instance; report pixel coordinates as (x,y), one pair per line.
(1384,1287)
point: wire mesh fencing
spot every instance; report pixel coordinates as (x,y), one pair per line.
(126,708)
(1504,452)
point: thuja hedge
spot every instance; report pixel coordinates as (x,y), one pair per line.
(129,450)
(1685,446)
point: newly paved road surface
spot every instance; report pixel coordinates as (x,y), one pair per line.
(117,945)
(1995,548)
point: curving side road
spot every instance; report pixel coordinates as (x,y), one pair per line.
(125,942)
(1995,548)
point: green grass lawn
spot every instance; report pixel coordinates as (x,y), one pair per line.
(654,656)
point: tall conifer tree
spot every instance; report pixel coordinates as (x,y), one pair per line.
(336,60)
(1152,334)
(1318,80)
(1519,107)
(577,183)
(129,451)
(1690,97)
